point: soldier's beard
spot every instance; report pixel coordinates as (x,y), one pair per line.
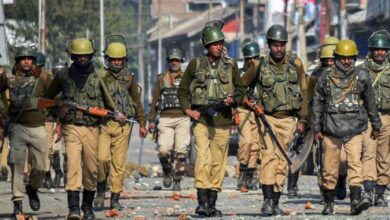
(379,58)
(344,68)
(174,68)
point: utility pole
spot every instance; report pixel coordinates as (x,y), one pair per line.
(42,26)
(210,9)
(242,19)
(101,27)
(342,20)
(141,77)
(159,42)
(290,26)
(301,33)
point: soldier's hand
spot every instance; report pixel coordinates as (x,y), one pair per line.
(374,134)
(143,132)
(152,127)
(300,127)
(119,116)
(63,112)
(193,114)
(228,101)
(318,136)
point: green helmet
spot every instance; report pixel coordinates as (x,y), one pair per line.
(250,48)
(212,34)
(26,51)
(175,53)
(116,50)
(277,33)
(379,39)
(41,59)
(81,46)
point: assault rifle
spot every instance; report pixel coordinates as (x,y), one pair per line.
(95,111)
(211,109)
(260,113)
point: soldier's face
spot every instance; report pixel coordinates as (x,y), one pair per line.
(174,65)
(82,60)
(346,61)
(277,49)
(379,54)
(26,63)
(250,60)
(118,62)
(215,49)
(327,62)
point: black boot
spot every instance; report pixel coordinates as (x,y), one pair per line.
(379,198)
(114,204)
(100,195)
(86,205)
(276,211)
(4,174)
(203,203)
(251,179)
(292,187)
(213,196)
(176,183)
(47,180)
(56,164)
(65,167)
(329,202)
(74,205)
(241,181)
(368,195)
(167,169)
(357,204)
(267,208)
(33,198)
(341,187)
(18,209)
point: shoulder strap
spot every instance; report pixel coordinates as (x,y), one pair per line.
(253,83)
(105,88)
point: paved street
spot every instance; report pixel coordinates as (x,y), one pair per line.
(141,200)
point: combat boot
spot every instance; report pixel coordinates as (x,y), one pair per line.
(176,183)
(114,203)
(47,183)
(357,204)
(276,211)
(74,205)
(100,195)
(341,187)
(329,202)
(368,195)
(267,208)
(86,205)
(56,164)
(292,188)
(322,199)
(167,169)
(4,174)
(33,198)
(251,179)
(203,203)
(242,181)
(213,196)
(379,198)
(18,209)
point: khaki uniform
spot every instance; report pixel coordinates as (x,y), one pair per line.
(173,125)
(80,130)
(211,131)
(249,141)
(26,130)
(376,152)
(114,137)
(281,114)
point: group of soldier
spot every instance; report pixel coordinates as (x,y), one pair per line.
(270,99)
